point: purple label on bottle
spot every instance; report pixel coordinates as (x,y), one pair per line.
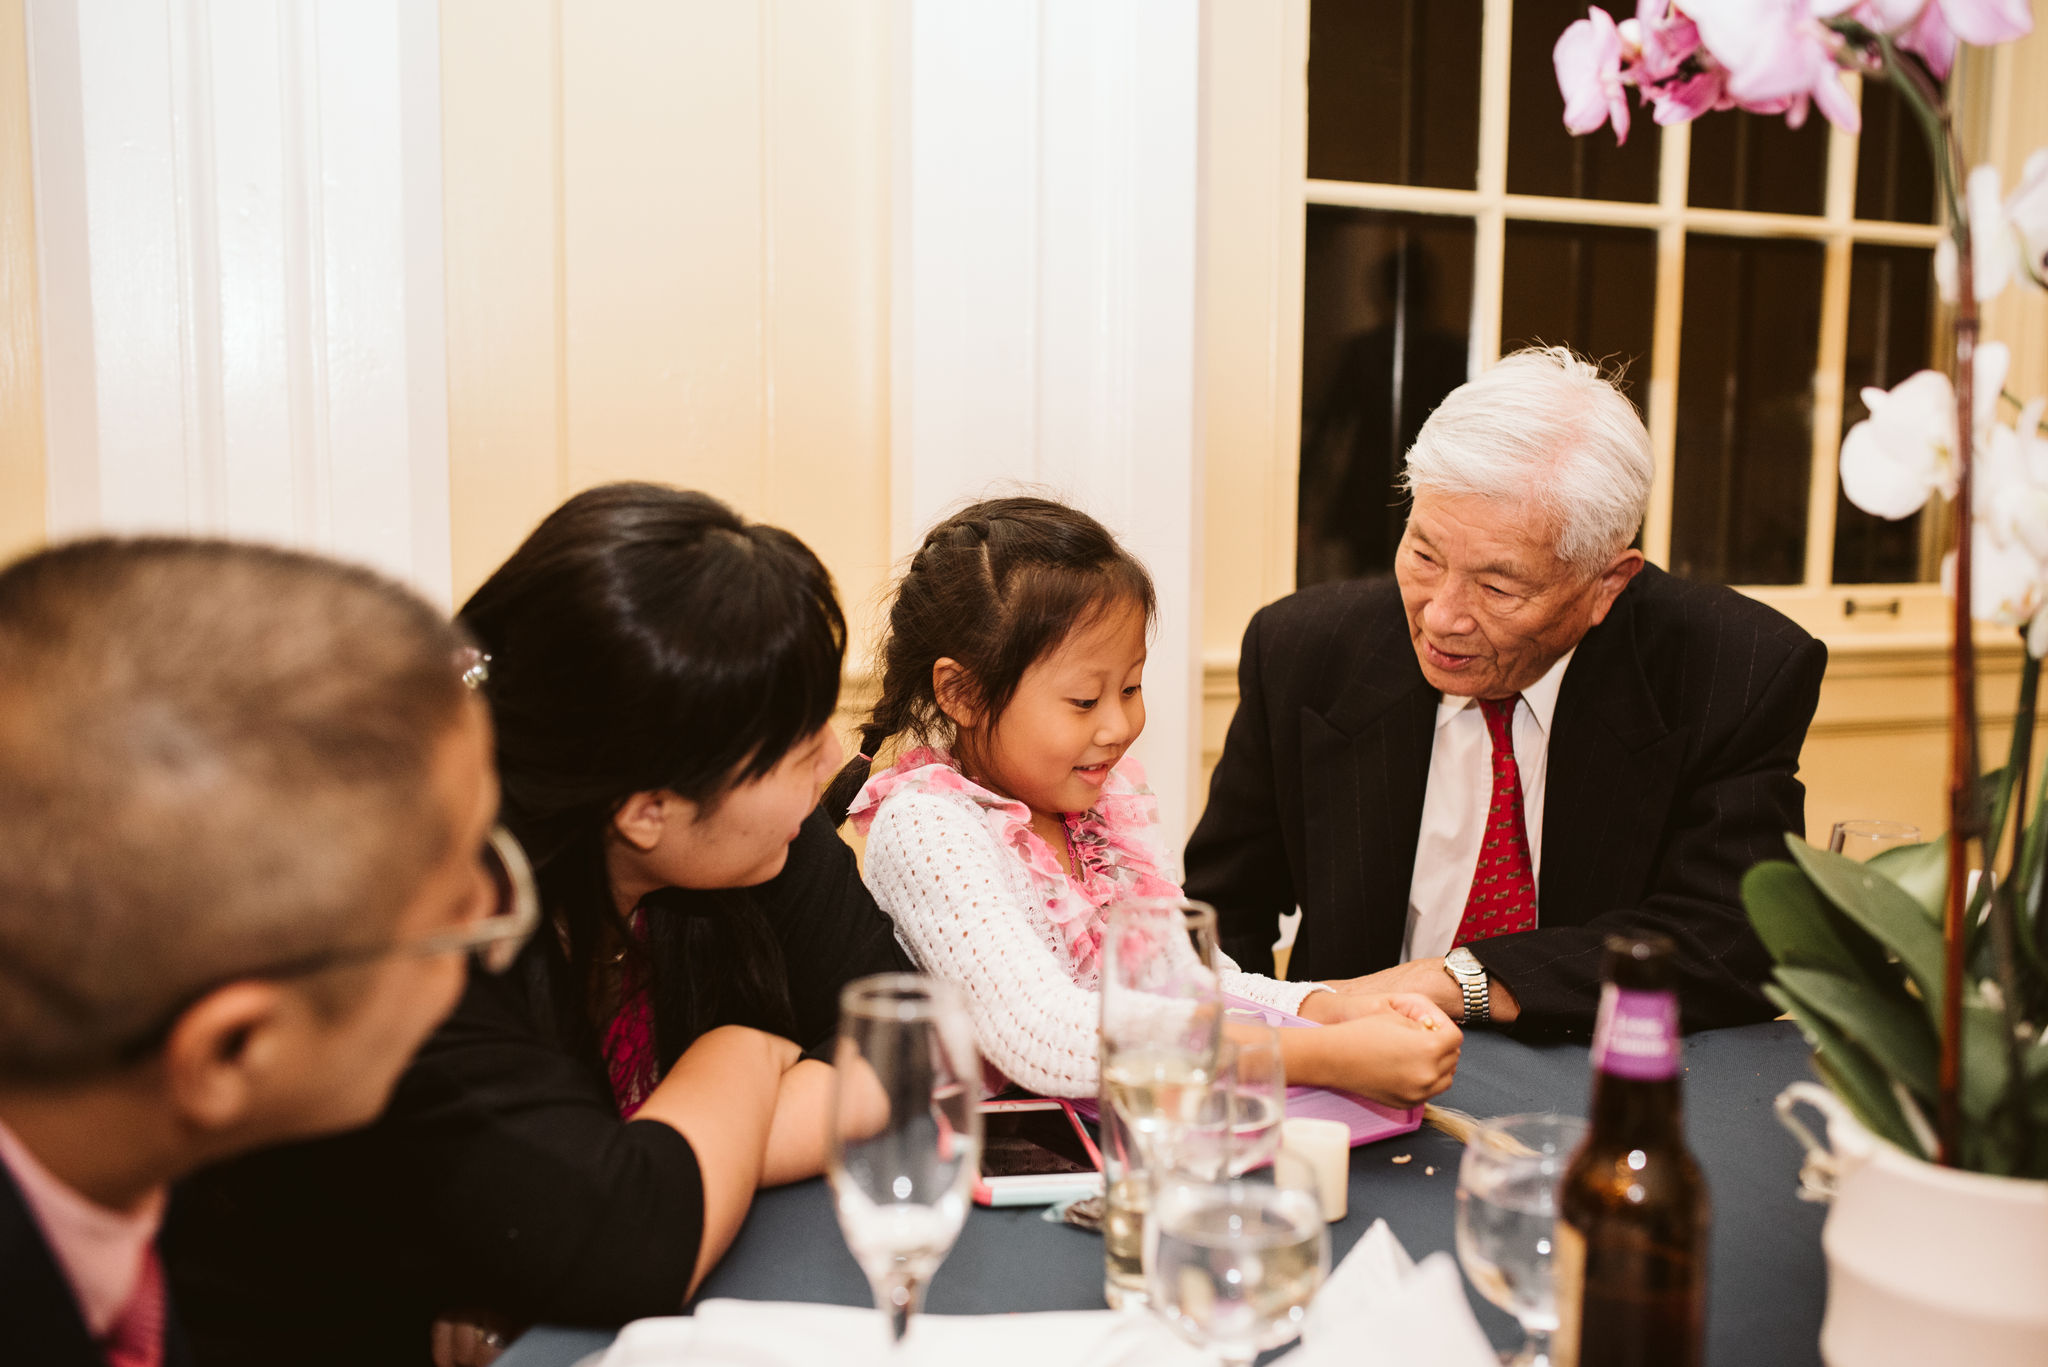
(1636,1034)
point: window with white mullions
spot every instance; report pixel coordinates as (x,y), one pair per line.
(1752,278)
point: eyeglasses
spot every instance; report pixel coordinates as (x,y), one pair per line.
(495,939)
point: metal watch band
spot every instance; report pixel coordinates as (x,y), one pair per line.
(1470,975)
(1478,1000)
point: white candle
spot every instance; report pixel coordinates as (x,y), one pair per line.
(1325,1145)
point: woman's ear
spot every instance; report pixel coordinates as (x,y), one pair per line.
(641,818)
(953,686)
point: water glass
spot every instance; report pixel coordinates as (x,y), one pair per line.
(1162,1013)
(905,1143)
(1236,1122)
(1232,1265)
(1507,1213)
(1861,839)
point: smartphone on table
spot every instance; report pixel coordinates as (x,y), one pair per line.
(1035,1153)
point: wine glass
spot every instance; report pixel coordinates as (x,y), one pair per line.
(1235,1125)
(1232,1265)
(1162,1014)
(1861,839)
(1507,1213)
(905,1141)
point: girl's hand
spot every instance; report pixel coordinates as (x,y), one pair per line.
(1391,1056)
(1331,1008)
(468,1339)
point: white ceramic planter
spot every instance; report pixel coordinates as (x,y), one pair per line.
(1926,1264)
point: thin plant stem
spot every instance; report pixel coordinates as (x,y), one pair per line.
(1966,819)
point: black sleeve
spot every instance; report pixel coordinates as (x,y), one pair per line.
(1237,857)
(829,927)
(523,1191)
(1735,813)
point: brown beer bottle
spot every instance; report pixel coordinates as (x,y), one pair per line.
(1629,1255)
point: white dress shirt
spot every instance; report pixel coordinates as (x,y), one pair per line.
(1455,803)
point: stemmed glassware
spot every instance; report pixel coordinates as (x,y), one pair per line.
(1861,839)
(1162,1013)
(905,1142)
(1232,1264)
(1507,1213)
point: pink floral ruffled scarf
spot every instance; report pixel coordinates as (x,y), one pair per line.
(1110,843)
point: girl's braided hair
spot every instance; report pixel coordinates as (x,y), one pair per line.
(994,587)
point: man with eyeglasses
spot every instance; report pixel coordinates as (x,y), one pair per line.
(246,835)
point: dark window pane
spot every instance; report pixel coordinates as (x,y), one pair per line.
(1393,91)
(1746,356)
(1386,312)
(1891,320)
(1592,289)
(1894,177)
(1543,159)
(1754,162)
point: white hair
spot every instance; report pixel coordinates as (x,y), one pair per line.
(1547,427)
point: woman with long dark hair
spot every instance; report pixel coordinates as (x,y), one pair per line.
(582,1139)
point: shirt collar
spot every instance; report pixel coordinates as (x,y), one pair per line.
(1540,696)
(100,1250)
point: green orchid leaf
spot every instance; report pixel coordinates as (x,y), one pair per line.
(1921,870)
(1850,1073)
(1799,927)
(1892,1030)
(1883,909)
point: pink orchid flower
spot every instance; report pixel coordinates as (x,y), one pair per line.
(1931,28)
(1779,56)
(1663,36)
(1588,63)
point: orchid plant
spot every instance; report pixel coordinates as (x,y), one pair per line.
(1922,986)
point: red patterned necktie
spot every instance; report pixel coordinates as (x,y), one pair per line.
(136,1338)
(1503,896)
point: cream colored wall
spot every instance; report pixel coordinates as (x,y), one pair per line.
(22,501)
(667,256)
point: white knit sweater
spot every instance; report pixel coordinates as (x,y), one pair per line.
(971,912)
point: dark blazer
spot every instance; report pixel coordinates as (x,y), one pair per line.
(1672,760)
(500,1178)
(40,1321)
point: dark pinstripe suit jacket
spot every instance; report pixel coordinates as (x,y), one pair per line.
(1671,772)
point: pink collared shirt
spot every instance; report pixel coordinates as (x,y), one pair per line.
(103,1252)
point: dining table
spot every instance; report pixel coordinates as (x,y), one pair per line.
(1766,1283)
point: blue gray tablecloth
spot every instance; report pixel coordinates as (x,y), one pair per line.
(1767,1283)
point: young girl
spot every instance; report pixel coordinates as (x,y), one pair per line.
(997,841)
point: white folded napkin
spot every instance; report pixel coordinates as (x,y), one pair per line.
(732,1333)
(1380,1306)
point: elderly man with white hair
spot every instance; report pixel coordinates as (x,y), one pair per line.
(1467,776)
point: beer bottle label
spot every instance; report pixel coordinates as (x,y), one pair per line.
(1635,1035)
(1568,1280)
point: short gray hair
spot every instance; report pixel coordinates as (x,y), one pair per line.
(1548,427)
(213,757)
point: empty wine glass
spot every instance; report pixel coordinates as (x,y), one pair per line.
(1162,1013)
(1861,839)
(1507,1213)
(1232,1265)
(905,1142)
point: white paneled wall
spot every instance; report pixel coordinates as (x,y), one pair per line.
(1044,276)
(239,219)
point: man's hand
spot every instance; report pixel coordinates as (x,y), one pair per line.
(1427,978)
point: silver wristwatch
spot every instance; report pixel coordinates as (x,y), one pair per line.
(1470,975)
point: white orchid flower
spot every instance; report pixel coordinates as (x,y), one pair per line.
(2026,215)
(2005,581)
(1993,250)
(1904,451)
(2010,483)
